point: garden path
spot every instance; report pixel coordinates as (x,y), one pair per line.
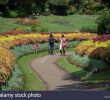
(56,78)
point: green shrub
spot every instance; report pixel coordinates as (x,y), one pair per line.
(103,24)
(13,14)
(80,11)
(21,12)
(36,28)
(78,60)
(47,10)
(99,64)
(87,63)
(91,6)
(22,50)
(92,29)
(71,9)
(28,48)
(59,6)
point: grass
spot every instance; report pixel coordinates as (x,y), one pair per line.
(32,81)
(7,24)
(71,23)
(81,73)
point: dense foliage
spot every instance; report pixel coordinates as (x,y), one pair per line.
(46,7)
(87,63)
(104,24)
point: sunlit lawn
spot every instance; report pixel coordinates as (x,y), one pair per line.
(71,23)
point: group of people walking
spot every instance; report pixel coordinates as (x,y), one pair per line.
(51,43)
(62,45)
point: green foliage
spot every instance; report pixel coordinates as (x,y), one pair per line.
(58,2)
(90,7)
(81,73)
(36,28)
(16,80)
(31,79)
(21,50)
(89,28)
(103,24)
(61,7)
(71,9)
(87,63)
(21,12)
(4,1)
(13,14)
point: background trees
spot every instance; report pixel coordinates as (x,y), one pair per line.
(104,24)
(60,7)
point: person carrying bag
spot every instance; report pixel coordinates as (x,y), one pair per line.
(63,44)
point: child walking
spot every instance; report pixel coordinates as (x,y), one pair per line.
(36,47)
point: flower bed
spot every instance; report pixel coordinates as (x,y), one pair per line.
(101,38)
(27,21)
(8,60)
(96,48)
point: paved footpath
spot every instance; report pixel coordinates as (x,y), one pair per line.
(57,79)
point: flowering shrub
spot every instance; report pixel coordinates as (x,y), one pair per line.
(84,49)
(18,30)
(102,38)
(87,47)
(27,21)
(101,53)
(14,32)
(13,40)
(7,61)
(97,48)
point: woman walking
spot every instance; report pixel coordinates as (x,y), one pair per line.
(63,44)
(51,44)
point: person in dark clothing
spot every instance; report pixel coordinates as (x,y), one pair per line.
(51,44)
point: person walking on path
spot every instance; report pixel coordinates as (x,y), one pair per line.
(51,44)
(63,44)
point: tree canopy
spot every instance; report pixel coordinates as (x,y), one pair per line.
(58,2)
(4,1)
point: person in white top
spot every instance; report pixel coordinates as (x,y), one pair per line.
(62,45)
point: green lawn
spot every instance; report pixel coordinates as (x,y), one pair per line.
(7,24)
(71,23)
(32,81)
(81,73)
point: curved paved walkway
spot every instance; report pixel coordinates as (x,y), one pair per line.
(58,79)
